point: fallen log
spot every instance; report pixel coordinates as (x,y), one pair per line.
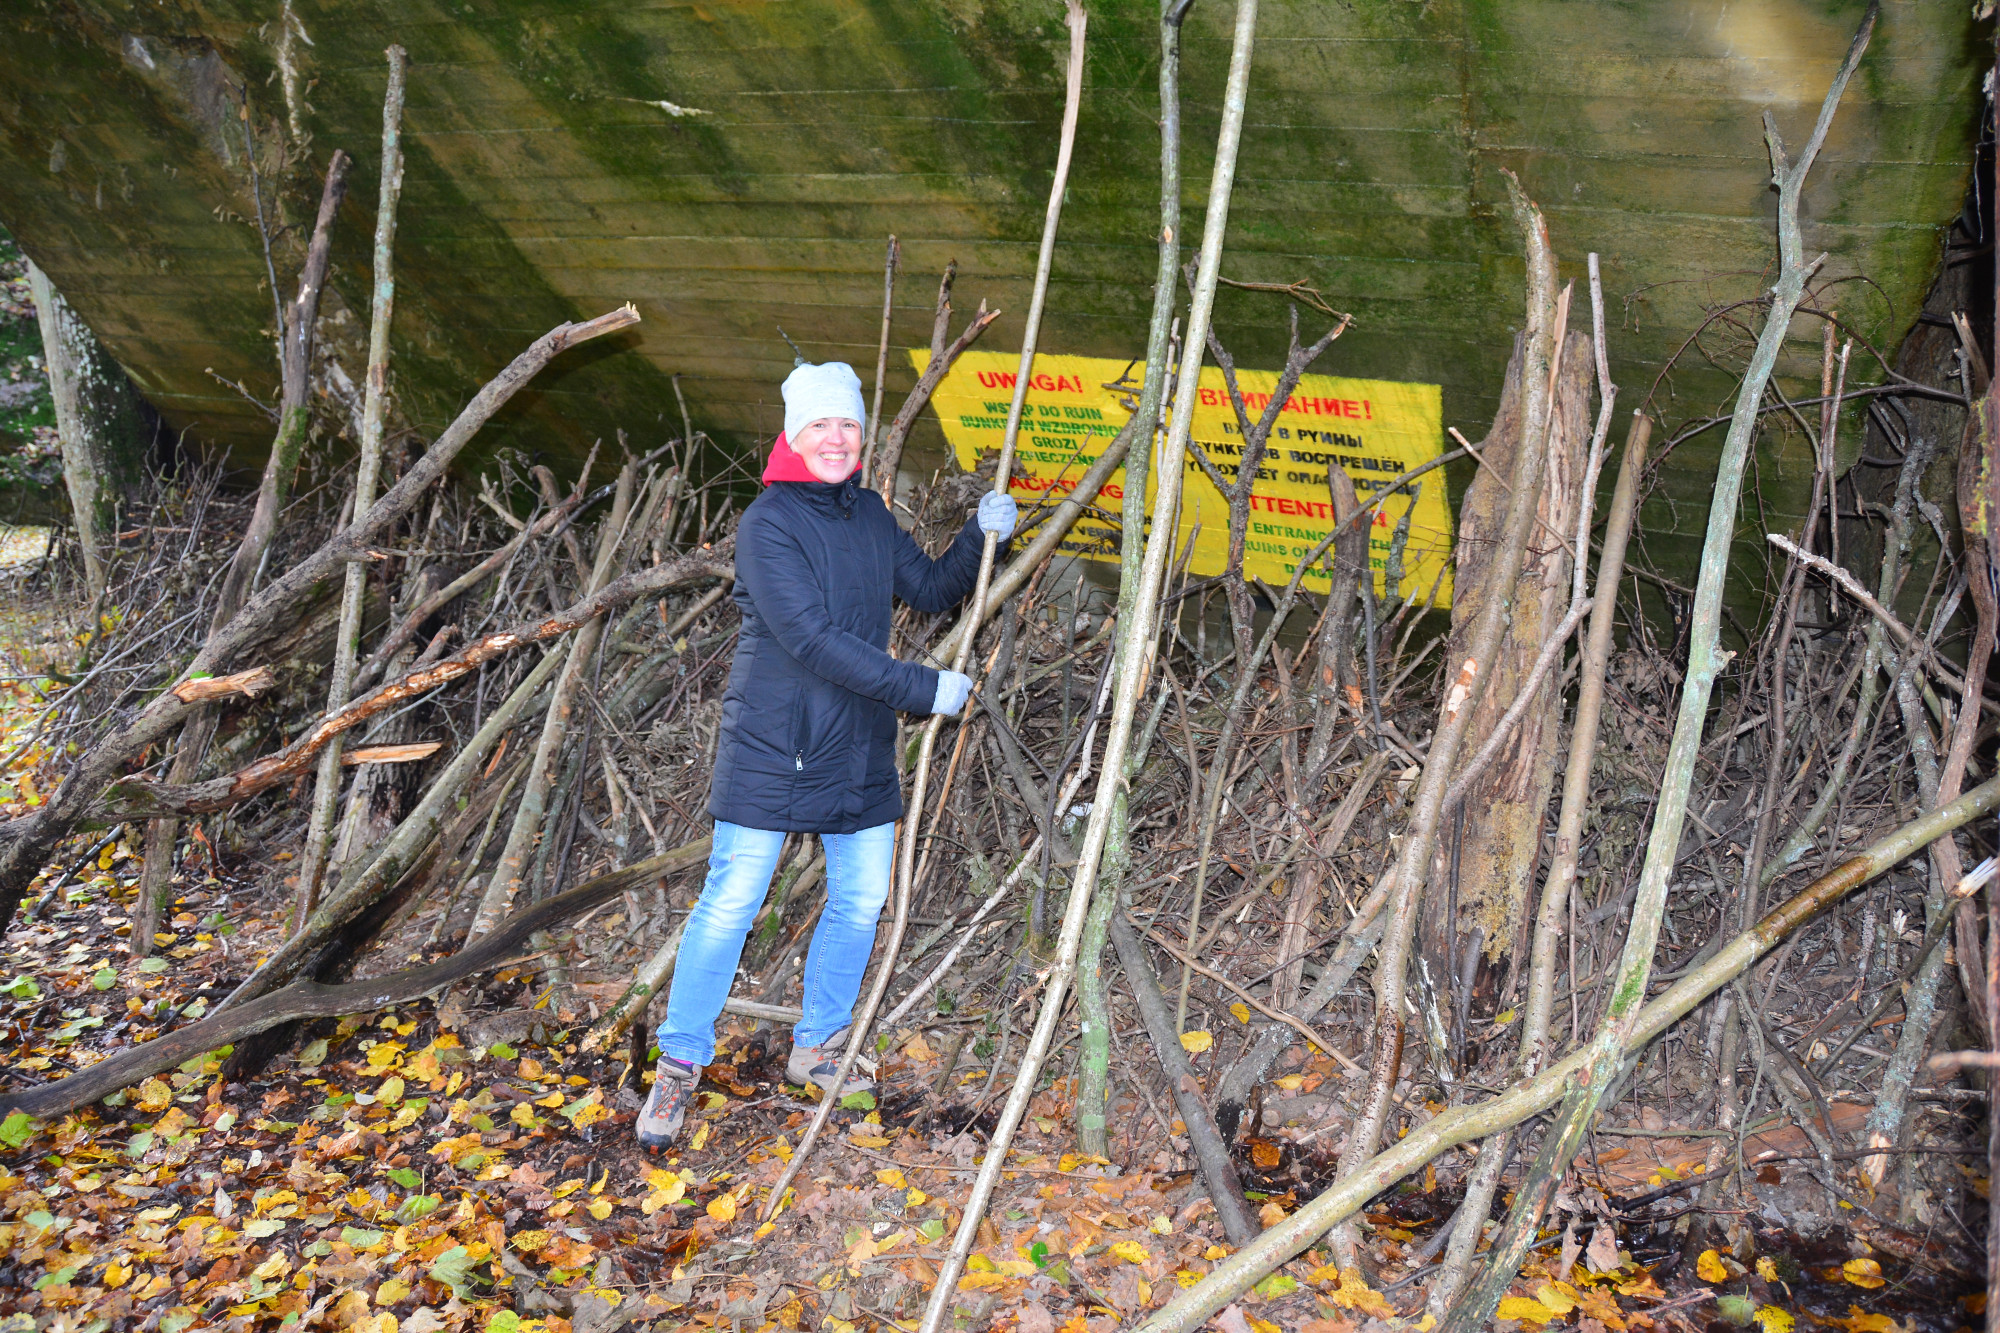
(310,999)
(1465,1124)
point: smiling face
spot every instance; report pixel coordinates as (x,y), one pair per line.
(830,446)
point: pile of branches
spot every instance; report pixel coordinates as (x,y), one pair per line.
(1300,810)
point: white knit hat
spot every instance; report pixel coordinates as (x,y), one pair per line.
(828,390)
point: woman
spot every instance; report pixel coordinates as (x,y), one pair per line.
(809,730)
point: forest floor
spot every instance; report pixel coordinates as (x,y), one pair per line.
(453,1166)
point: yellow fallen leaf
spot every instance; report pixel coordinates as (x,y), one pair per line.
(1355,1294)
(1241,1011)
(1857,1322)
(722,1208)
(117,1273)
(891,1177)
(385,1055)
(1291,1082)
(1767,1269)
(1196,1041)
(1773,1319)
(600,1209)
(529,1241)
(551,1101)
(1131,1251)
(864,1140)
(391,1291)
(1709,1267)
(765,1230)
(1862,1273)
(1187,1277)
(155,1096)
(700,1138)
(390,1092)
(1558,1296)
(668,1188)
(973,1282)
(1524,1307)
(919,1049)
(1263,1326)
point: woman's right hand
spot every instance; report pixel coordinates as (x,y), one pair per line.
(953,689)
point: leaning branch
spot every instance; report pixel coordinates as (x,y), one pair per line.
(137,797)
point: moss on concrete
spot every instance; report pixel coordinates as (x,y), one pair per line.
(734,166)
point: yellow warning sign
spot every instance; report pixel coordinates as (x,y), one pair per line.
(1376,430)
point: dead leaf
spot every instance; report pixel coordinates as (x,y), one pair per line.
(1601,1255)
(1034,1317)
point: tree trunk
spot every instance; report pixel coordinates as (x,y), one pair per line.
(1486,861)
(100,418)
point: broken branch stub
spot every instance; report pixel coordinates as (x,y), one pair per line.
(249,684)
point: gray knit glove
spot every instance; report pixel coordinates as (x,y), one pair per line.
(998,514)
(953,690)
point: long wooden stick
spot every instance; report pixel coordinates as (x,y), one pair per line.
(906,842)
(1054,529)
(1211,1150)
(1463,1124)
(374,407)
(1605,1055)
(881,354)
(1093,999)
(1131,679)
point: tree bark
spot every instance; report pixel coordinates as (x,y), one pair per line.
(100,419)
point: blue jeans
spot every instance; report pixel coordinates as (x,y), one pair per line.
(741,861)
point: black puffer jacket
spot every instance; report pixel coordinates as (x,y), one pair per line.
(809,719)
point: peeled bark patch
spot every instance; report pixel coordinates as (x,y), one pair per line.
(1492,851)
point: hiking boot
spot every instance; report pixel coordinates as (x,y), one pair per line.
(816,1065)
(659,1122)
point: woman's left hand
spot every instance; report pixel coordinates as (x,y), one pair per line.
(997,514)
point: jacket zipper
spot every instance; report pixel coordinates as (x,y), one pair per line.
(799,761)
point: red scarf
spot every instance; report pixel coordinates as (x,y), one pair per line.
(787,465)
